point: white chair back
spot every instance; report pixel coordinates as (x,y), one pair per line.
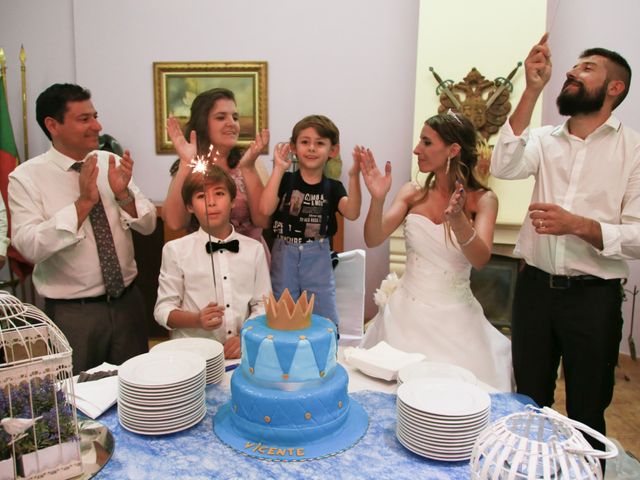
(350,290)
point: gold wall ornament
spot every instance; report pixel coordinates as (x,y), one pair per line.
(484,102)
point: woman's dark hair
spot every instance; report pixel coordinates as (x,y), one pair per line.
(456,128)
(199,121)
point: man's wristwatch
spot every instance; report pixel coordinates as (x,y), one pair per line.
(126,201)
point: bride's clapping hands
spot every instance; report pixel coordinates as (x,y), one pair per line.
(456,202)
(186,150)
(377,183)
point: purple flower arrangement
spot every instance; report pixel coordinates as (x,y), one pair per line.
(39,397)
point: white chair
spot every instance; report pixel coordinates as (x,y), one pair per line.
(350,289)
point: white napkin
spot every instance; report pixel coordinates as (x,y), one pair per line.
(96,397)
(381,361)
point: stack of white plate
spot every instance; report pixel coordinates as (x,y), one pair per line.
(211,350)
(435,370)
(441,419)
(161,392)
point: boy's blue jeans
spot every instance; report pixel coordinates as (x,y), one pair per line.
(305,266)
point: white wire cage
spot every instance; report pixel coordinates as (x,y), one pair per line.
(38,426)
(538,444)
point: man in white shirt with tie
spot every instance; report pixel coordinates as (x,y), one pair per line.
(72,209)
(584,222)
(214,279)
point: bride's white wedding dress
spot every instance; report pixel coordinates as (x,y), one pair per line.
(432,310)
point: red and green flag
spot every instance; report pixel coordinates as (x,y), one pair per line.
(8,161)
(8,150)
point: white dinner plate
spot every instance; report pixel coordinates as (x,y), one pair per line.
(143,401)
(134,403)
(429,454)
(157,417)
(444,397)
(164,429)
(158,422)
(443,371)
(207,348)
(164,391)
(438,437)
(158,369)
(444,421)
(445,433)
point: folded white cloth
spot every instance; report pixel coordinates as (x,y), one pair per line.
(96,397)
(381,361)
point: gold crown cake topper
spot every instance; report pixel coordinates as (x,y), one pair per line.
(285,314)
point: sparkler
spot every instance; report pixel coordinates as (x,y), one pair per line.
(200,164)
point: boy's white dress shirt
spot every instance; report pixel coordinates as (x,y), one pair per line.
(186,282)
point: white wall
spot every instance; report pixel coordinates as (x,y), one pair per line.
(575,25)
(352,61)
(45,29)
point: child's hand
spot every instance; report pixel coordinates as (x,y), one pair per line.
(377,184)
(355,168)
(456,202)
(186,150)
(281,158)
(210,317)
(232,347)
(250,156)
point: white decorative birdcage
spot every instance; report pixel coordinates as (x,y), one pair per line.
(538,444)
(38,426)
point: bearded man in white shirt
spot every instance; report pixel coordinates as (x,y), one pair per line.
(84,265)
(584,221)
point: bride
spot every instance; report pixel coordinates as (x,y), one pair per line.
(449,225)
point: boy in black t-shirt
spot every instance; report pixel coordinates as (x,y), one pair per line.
(303,205)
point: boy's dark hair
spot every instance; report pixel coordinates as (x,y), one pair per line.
(325,128)
(197,181)
(621,70)
(53,102)
(199,121)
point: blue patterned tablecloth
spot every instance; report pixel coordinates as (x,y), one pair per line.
(197,453)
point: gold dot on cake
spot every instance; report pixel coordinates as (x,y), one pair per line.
(285,376)
(307,416)
(251,370)
(302,337)
(235,408)
(250,327)
(267,419)
(270,337)
(330,330)
(340,404)
(322,373)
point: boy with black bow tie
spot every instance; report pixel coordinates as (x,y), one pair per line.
(212,280)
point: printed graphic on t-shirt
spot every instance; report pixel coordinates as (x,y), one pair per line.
(297,197)
(305,210)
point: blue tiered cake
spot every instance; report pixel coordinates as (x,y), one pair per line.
(289,399)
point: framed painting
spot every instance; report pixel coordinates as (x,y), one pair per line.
(176,84)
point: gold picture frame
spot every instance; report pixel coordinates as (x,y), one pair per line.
(176,84)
